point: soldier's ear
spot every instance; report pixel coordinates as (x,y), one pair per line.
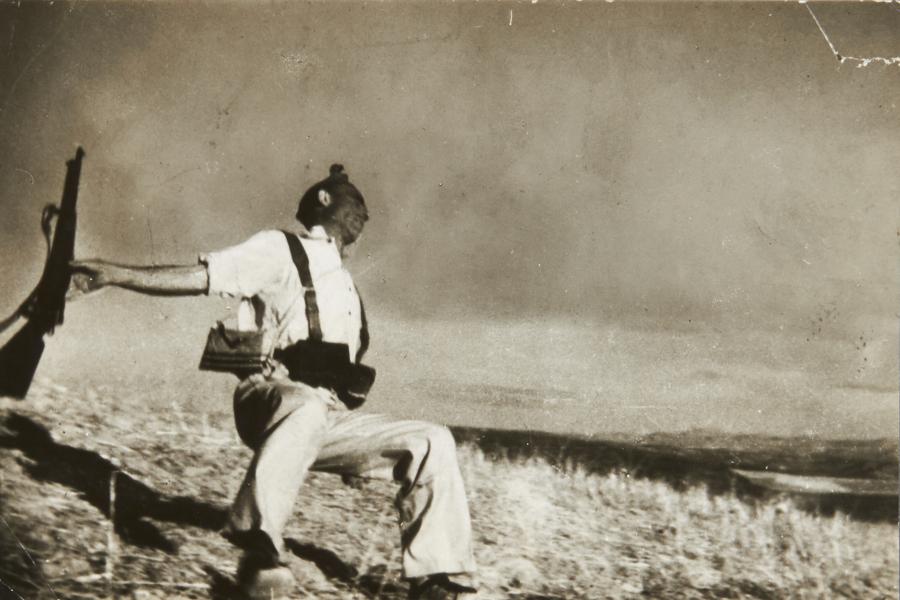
(324,198)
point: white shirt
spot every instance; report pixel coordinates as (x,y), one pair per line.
(261,273)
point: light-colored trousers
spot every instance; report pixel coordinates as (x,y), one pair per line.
(293,428)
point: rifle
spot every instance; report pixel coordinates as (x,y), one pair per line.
(44,308)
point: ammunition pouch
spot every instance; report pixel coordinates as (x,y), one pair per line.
(233,351)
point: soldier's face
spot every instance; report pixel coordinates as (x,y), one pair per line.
(348,219)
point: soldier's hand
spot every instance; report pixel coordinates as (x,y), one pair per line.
(91,275)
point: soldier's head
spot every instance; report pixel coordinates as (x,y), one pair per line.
(336,205)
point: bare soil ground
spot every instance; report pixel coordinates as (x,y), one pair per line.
(552,518)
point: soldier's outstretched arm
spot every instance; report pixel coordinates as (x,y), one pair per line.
(169,280)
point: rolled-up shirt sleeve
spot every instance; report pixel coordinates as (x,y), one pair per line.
(244,270)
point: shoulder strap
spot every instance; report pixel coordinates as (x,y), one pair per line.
(301,261)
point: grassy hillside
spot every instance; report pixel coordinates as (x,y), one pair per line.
(549,522)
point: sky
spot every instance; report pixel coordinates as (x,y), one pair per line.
(678,167)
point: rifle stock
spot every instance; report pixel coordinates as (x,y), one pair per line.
(45,307)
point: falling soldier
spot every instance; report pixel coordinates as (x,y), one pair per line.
(298,410)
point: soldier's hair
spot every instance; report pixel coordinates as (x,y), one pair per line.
(312,212)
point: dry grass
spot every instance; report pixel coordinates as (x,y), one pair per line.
(573,534)
(542,531)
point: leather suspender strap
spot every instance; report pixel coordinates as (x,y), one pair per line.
(301,261)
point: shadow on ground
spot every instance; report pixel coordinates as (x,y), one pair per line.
(708,459)
(136,503)
(90,475)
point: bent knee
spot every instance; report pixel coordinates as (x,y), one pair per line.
(430,451)
(440,435)
(429,440)
(441,444)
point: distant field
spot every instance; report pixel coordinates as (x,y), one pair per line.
(560,375)
(550,523)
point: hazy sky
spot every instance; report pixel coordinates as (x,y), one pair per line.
(582,161)
(587,158)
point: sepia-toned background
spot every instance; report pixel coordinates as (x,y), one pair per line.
(586,217)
